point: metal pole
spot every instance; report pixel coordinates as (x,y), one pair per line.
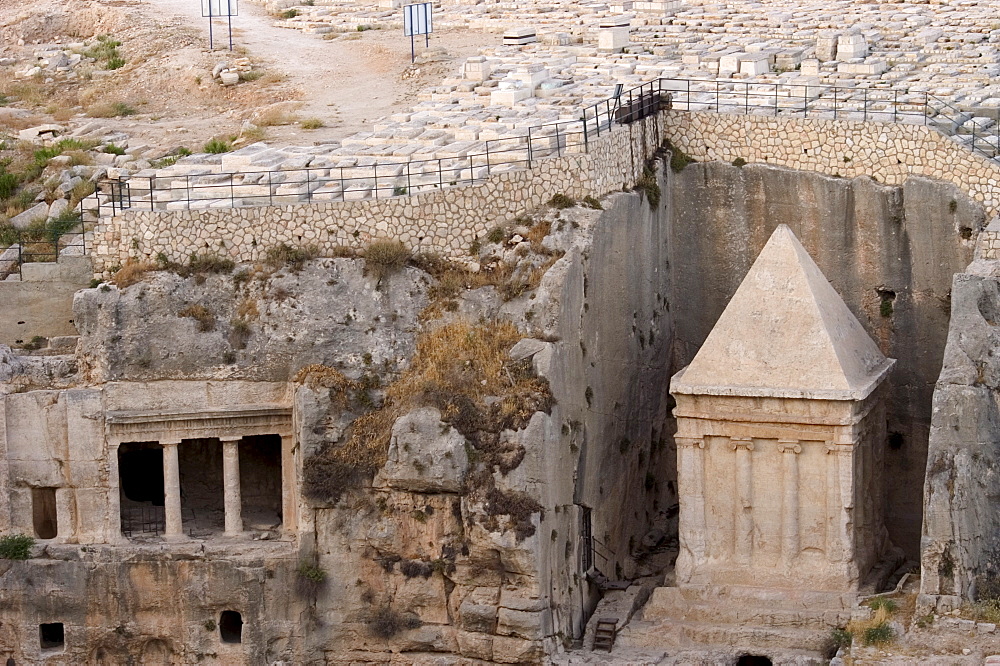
(309,194)
(925,108)
(408,186)
(375,171)
(746,99)
(487,161)
(865,105)
(835,103)
(230,16)
(270,190)
(558,143)
(529,147)
(805,101)
(211,42)
(895,104)
(440,175)
(413,50)
(775,99)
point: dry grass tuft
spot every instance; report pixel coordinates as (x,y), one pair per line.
(384,257)
(247,309)
(274,116)
(131,273)
(201,314)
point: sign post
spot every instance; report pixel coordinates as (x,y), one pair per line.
(213,8)
(418,20)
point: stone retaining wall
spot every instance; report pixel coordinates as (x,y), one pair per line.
(446,222)
(886,152)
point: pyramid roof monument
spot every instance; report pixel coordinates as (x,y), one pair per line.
(785,333)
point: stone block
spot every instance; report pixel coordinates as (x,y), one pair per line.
(511,650)
(613,39)
(425,455)
(475,645)
(519,36)
(40,211)
(524,624)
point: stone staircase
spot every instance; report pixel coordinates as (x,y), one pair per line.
(753,619)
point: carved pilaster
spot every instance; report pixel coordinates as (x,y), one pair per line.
(691,484)
(790,545)
(743,542)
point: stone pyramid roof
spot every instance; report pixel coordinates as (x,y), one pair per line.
(785,333)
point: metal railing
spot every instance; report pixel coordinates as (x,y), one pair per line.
(887,105)
(379,180)
(25,246)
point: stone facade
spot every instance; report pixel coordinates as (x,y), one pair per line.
(445,221)
(889,153)
(780,426)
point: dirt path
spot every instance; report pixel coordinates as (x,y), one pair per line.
(346,83)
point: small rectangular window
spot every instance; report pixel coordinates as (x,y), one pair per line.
(51,636)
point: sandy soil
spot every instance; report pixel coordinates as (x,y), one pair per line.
(347,83)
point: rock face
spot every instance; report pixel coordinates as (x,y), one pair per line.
(960,552)
(328,313)
(425,455)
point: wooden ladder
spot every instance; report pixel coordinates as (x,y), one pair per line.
(604,633)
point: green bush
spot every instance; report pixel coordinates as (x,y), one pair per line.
(289,14)
(562,201)
(880,634)
(648,185)
(739,162)
(116,62)
(16,547)
(889,605)
(112,149)
(216,146)
(8,184)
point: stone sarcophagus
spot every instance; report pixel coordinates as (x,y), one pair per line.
(780,432)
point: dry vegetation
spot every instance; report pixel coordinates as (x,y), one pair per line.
(455,368)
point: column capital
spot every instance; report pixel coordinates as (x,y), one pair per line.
(741,443)
(834,447)
(226,439)
(789,446)
(172,441)
(697,442)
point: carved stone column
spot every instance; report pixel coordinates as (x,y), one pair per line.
(174,528)
(743,539)
(790,505)
(231,485)
(289,513)
(113,529)
(691,484)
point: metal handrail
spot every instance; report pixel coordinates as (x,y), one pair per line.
(387,179)
(378,180)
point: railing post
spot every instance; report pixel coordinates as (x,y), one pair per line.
(558,151)
(232,192)
(687,103)
(775,99)
(440,175)
(375,171)
(835,102)
(718,91)
(270,189)
(805,101)
(529,147)
(746,99)
(408,186)
(343,192)
(865,106)
(926,98)
(187,180)
(895,103)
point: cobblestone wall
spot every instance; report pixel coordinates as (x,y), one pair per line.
(446,222)
(886,152)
